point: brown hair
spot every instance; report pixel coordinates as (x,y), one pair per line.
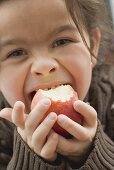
(89,14)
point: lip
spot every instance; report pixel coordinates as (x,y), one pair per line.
(45,86)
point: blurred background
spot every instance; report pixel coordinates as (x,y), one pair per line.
(110,6)
(109,55)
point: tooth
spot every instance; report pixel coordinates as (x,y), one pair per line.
(53,87)
(46,89)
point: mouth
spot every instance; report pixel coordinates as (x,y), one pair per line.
(32,94)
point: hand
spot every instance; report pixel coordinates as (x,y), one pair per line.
(79,146)
(39,136)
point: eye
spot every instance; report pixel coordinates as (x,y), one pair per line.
(61,42)
(17,53)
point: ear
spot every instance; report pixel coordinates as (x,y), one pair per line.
(95,37)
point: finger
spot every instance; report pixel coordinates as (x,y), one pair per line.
(36,115)
(72,147)
(88,112)
(48,152)
(75,129)
(43,130)
(6,113)
(65,146)
(18,114)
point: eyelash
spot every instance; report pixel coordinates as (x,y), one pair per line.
(14,55)
(62,42)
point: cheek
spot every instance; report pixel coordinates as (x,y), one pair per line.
(11,85)
(79,66)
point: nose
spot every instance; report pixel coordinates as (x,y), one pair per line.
(44,66)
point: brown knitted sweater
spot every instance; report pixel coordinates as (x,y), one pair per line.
(101,157)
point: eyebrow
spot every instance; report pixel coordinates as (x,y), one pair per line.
(64,28)
(56,31)
(9,41)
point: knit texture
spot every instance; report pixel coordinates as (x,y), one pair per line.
(101,157)
(101,96)
(25,159)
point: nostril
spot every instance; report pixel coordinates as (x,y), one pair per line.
(44,67)
(45,72)
(53,69)
(38,73)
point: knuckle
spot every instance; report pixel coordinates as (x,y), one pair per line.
(68,125)
(70,128)
(29,142)
(85,136)
(37,150)
(47,123)
(42,107)
(44,126)
(34,145)
(28,125)
(70,150)
(35,138)
(45,154)
(17,122)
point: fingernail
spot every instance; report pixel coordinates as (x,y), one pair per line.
(18,104)
(46,101)
(77,103)
(61,119)
(52,116)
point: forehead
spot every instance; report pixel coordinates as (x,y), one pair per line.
(27,8)
(27,16)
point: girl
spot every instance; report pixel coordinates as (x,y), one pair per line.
(43,45)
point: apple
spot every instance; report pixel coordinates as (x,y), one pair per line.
(62,98)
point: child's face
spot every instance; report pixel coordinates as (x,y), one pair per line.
(40,47)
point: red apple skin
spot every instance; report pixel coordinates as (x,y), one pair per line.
(60,107)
